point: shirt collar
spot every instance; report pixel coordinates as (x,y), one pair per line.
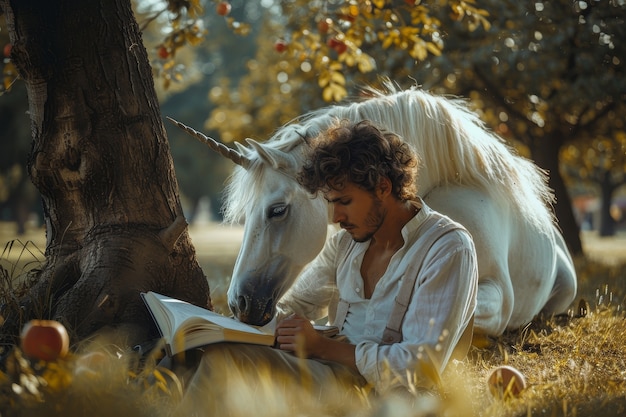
(417,220)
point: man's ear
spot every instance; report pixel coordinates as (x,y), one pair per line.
(384,186)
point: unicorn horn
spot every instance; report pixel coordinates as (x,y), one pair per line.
(218,147)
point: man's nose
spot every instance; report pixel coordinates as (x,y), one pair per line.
(338,215)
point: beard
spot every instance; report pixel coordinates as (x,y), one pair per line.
(373,221)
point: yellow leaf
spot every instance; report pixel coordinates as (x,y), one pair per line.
(366,63)
(327,94)
(486,24)
(338,92)
(323,79)
(433,49)
(338,78)
(379,3)
(193,39)
(387,41)
(335,66)
(419,51)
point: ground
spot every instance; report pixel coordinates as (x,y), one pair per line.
(574,365)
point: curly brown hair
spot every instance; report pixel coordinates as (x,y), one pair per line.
(362,154)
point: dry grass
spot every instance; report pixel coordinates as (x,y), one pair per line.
(574,366)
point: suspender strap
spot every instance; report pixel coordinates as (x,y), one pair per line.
(393,331)
(341,311)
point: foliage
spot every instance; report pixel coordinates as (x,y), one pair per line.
(334,37)
(309,53)
(174,28)
(540,72)
(540,67)
(345,30)
(595,159)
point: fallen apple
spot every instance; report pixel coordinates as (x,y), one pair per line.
(47,340)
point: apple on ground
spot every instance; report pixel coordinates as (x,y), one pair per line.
(46,340)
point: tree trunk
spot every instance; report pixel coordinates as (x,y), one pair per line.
(607,224)
(100,158)
(546,154)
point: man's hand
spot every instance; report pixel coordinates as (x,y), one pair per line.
(296,334)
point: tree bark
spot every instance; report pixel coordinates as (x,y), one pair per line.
(101,160)
(546,154)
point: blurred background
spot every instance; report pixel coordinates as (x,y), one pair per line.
(549,77)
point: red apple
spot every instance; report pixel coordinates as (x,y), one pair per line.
(223,8)
(281,45)
(323,25)
(45,339)
(163,52)
(338,45)
(341,47)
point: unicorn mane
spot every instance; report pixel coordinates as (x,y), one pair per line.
(453,145)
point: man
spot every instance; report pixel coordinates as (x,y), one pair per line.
(406,278)
(368,178)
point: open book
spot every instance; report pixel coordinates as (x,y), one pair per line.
(186,326)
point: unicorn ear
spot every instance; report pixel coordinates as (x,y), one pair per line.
(277,159)
(242,149)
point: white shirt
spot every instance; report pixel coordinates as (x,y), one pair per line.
(442,304)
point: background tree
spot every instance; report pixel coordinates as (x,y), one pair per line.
(600,163)
(18,196)
(544,75)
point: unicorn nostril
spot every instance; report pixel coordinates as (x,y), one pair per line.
(242,305)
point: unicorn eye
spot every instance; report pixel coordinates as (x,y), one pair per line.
(277,211)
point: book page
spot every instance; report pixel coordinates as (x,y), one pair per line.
(186,312)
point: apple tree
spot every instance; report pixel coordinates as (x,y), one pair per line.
(102,163)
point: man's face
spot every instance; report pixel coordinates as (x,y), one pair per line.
(358,211)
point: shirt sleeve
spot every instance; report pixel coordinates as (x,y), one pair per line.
(315,287)
(442,305)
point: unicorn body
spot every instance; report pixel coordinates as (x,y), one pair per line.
(465,172)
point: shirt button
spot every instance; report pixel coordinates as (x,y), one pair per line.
(358,289)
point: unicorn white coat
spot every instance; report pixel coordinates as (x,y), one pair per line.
(465,172)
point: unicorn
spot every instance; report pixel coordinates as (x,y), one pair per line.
(466,172)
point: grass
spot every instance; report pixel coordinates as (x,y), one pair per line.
(574,365)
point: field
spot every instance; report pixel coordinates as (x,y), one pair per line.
(574,365)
